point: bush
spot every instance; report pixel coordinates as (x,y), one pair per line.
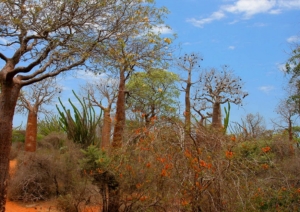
(160,169)
(49,125)
(45,173)
(282,147)
(54,140)
(18,136)
(83,196)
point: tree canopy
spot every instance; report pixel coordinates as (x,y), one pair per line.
(153,92)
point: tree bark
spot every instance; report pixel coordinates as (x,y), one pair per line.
(120,113)
(106,129)
(187,112)
(31,131)
(216,116)
(8,99)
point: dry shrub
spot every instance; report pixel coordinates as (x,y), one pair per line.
(282,147)
(45,173)
(165,171)
(15,149)
(291,168)
(83,196)
(161,170)
(54,140)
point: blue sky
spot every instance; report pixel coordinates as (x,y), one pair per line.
(253,37)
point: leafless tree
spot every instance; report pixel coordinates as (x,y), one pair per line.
(288,110)
(189,63)
(103,93)
(253,125)
(32,100)
(219,87)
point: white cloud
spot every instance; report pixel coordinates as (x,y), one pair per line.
(259,25)
(250,7)
(233,22)
(86,75)
(290,4)
(231,47)
(275,11)
(293,39)
(266,89)
(162,29)
(214,16)
(246,9)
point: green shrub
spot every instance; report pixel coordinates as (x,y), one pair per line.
(18,136)
(48,125)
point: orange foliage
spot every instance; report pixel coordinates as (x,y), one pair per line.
(229,154)
(265,166)
(233,138)
(266,149)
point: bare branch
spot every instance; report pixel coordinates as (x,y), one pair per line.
(2,56)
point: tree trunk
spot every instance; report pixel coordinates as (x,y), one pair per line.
(8,99)
(31,131)
(187,112)
(290,130)
(216,116)
(120,113)
(106,129)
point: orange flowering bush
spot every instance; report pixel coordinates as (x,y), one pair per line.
(229,154)
(266,149)
(160,170)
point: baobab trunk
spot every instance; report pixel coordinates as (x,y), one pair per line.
(290,130)
(31,131)
(216,116)
(8,99)
(120,113)
(187,112)
(106,129)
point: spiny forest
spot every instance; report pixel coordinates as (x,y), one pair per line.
(128,141)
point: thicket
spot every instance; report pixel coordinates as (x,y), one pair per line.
(159,169)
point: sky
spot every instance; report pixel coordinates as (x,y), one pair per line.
(252,37)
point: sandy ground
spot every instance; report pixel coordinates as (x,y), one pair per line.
(35,207)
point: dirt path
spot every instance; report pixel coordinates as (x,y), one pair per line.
(34,207)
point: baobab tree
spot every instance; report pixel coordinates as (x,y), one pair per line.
(144,50)
(188,63)
(103,93)
(32,100)
(41,39)
(219,87)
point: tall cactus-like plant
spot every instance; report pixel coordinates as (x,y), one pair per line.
(226,119)
(82,126)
